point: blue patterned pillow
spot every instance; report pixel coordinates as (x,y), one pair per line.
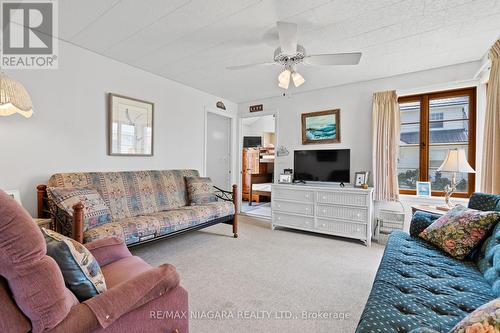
(81,271)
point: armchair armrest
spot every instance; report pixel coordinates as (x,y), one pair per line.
(420,221)
(129,295)
(108,250)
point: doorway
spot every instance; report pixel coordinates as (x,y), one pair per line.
(218,149)
(258,135)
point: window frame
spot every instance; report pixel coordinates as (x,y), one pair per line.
(424,144)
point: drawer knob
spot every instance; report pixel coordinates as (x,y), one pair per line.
(307,195)
(324,210)
(324,225)
(324,197)
(307,209)
(279,218)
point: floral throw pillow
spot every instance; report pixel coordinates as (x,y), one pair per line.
(485,319)
(81,271)
(460,230)
(200,190)
(95,209)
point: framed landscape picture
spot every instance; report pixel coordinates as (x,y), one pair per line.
(321,127)
(130,126)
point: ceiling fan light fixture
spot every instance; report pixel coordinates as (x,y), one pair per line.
(298,79)
(284,79)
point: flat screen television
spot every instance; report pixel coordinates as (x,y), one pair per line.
(252,141)
(328,165)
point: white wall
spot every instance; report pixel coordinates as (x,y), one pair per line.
(256,126)
(355,102)
(68,129)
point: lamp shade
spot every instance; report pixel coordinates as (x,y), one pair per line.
(456,161)
(298,79)
(14,98)
(284,79)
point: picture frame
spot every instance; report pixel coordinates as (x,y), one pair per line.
(15,194)
(360,178)
(424,189)
(130,126)
(321,127)
(285,178)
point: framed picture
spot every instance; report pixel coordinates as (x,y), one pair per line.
(360,178)
(14,194)
(130,126)
(424,189)
(321,127)
(285,178)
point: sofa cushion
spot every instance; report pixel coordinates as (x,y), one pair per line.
(132,193)
(460,230)
(485,319)
(82,274)
(140,228)
(200,190)
(419,286)
(95,210)
(34,278)
(123,270)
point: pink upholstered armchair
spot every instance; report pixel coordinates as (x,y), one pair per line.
(33,296)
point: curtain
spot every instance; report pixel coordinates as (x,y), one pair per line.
(490,168)
(385,145)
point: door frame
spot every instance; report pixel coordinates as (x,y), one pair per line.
(275,113)
(232,123)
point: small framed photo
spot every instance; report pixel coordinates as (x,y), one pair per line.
(285,178)
(14,194)
(360,178)
(424,189)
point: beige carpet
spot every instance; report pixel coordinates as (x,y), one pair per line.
(256,282)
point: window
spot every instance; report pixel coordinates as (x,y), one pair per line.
(431,124)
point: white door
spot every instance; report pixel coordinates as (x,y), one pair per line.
(219,150)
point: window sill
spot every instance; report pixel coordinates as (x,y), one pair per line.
(431,200)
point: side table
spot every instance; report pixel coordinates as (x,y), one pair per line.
(428,209)
(45,223)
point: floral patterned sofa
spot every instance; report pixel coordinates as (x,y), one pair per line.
(145,205)
(419,288)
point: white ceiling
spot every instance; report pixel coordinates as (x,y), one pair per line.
(192,41)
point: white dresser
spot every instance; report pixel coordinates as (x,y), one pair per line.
(326,209)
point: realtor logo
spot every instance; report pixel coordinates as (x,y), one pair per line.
(28,30)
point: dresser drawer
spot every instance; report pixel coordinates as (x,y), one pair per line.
(342,212)
(293,221)
(342,198)
(342,228)
(293,194)
(293,207)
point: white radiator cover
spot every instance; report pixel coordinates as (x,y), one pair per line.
(325,209)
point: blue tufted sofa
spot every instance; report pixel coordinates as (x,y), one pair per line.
(418,287)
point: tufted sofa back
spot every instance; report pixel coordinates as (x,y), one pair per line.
(488,259)
(132,193)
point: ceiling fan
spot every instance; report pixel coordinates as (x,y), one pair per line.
(289,54)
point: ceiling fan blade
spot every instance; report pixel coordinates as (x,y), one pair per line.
(333,59)
(235,68)
(288,37)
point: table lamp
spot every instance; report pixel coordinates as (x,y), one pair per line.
(455,161)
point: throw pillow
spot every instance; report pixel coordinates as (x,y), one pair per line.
(95,210)
(460,230)
(485,319)
(200,190)
(82,274)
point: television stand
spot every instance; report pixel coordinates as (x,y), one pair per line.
(331,210)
